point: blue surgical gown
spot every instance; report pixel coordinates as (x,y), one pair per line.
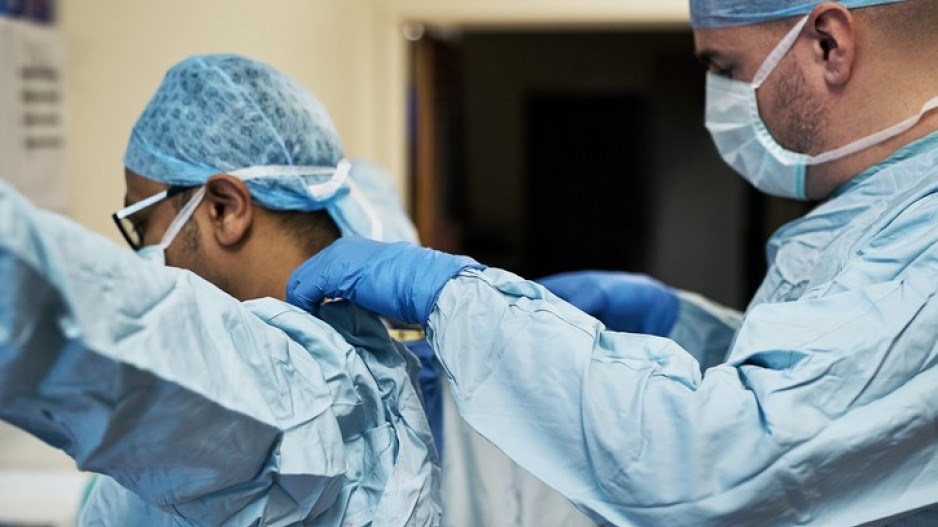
(823,409)
(201,410)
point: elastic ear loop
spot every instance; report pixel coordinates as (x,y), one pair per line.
(775,57)
(182,218)
(875,139)
(359,197)
(338,177)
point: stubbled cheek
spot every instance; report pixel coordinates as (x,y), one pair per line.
(791,112)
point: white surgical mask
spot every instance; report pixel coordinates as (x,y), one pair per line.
(157,253)
(746,144)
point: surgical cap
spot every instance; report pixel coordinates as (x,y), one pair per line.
(723,13)
(230,114)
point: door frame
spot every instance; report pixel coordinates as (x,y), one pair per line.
(384,107)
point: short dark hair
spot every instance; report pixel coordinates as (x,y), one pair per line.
(312,230)
(913,19)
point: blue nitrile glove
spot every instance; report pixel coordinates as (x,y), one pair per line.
(398,280)
(632,303)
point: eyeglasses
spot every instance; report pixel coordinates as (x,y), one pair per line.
(129,228)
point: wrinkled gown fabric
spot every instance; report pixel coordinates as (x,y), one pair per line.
(199,409)
(823,411)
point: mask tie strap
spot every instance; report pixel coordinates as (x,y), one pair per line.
(182,218)
(377,226)
(319,191)
(777,54)
(327,189)
(875,139)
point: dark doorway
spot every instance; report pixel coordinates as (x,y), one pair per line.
(577,144)
(551,151)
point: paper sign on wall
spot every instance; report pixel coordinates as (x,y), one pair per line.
(32,112)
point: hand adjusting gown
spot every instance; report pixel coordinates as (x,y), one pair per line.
(823,409)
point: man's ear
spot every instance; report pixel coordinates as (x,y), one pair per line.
(231,209)
(833,28)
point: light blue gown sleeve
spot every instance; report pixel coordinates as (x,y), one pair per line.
(158,379)
(825,412)
(704,328)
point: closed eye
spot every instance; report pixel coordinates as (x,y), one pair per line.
(723,72)
(715,64)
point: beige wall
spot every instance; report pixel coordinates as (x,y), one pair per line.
(118,51)
(349,52)
(539,11)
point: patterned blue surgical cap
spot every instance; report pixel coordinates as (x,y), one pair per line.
(723,13)
(230,114)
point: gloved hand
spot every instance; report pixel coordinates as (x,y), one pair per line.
(627,302)
(398,280)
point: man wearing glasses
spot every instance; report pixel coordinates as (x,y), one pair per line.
(197,408)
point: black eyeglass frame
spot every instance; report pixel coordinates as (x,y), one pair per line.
(130,210)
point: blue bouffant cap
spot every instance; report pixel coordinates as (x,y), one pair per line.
(724,13)
(230,114)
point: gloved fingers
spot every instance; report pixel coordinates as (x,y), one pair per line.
(397,280)
(582,289)
(662,315)
(629,302)
(303,294)
(564,285)
(310,284)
